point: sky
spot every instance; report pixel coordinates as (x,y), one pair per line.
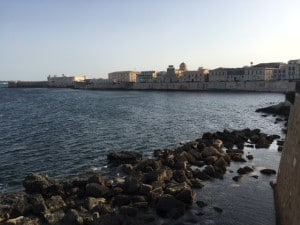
(95,37)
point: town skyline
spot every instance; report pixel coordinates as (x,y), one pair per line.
(98,37)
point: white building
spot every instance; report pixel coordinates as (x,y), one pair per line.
(64,81)
(293,69)
(146,76)
(123,76)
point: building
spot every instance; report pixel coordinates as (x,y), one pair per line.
(236,74)
(199,75)
(262,71)
(218,75)
(146,76)
(123,76)
(64,81)
(293,69)
(280,73)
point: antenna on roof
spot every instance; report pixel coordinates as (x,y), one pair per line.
(251,63)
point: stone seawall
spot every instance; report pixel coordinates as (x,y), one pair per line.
(265,86)
(259,86)
(288,181)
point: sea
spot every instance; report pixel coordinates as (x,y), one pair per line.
(67,132)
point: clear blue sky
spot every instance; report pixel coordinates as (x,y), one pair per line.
(95,37)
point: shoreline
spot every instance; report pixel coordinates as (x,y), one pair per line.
(166,179)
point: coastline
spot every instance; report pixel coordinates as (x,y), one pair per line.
(147,189)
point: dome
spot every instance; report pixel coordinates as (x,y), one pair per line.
(183,67)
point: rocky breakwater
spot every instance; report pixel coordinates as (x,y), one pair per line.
(149,188)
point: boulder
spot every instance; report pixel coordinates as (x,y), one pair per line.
(218,144)
(158,175)
(124,157)
(96,190)
(128,210)
(131,185)
(196,183)
(22,220)
(37,183)
(72,217)
(174,189)
(91,202)
(250,157)
(97,178)
(168,206)
(145,189)
(55,203)
(211,159)
(201,204)
(121,200)
(180,176)
(221,163)
(54,217)
(244,170)
(38,204)
(210,151)
(237,178)
(186,195)
(268,171)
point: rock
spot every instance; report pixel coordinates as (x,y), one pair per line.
(250,157)
(145,189)
(72,217)
(201,204)
(268,171)
(156,193)
(128,211)
(168,206)
(186,195)
(38,204)
(195,153)
(55,217)
(131,185)
(211,159)
(244,170)
(237,178)
(159,175)
(218,144)
(55,203)
(37,183)
(22,220)
(174,189)
(280,148)
(13,205)
(96,190)
(187,157)
(255,176)
(196,183)
(124,157)
(97,178)
(140,205)
(201,175)
(209,170)
(221,163)
(237,157)
(121,200)
(91,202)
(217,209)
(180,177)
(263,142)
(282,109)
(210,151)
(280,142)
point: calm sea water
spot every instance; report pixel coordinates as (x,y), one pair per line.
(64,132)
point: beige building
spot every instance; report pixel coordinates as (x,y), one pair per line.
(123,76)
(218,75)
(293,69)
(146,76)
(64,81)
(199,75)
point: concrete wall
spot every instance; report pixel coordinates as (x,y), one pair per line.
(288,181)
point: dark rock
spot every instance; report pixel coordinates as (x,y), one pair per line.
(128,211)
(91,202)
(201,204)
(209,170)
(237,157)
(210,151)
(255,176)
(217,209)
(250,157)
(237,178)
(124,157)
(13,205)
(55,203)
(138,198)
(280,148)
(168,206)
(23,221)
(159,175)
(156,193)
(186,195)
(282,109)
(131,185)
(268,171)
(174,189)
(180,176)
(249,146)
(54,217)
(201,175)
(72,217)
(221,163)
(145,189)
(211,159)
(97,178)
(121,200)
(196,183)
(37,183)
(280,142)
(96,190)
(38,204)
(244,170)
